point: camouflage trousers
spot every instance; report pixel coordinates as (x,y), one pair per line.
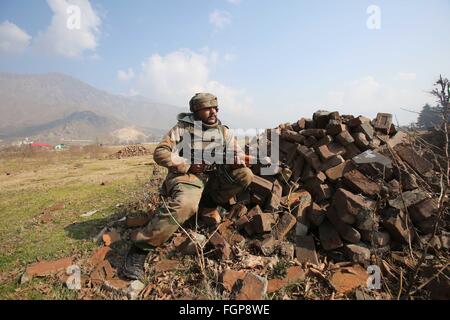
(184,192)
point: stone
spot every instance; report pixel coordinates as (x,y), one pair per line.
(358,183)
(357,253)
(134,289)
(329,237)
(229,278)
(253,288)
(371,156)
(305,250)
(284,225)
(189,247)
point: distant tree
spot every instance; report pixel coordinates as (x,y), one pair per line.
(429,117)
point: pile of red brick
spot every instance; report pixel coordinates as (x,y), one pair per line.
(131,151)
(350,186)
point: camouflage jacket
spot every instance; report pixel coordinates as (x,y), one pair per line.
(182,137)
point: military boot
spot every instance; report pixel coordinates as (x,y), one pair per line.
(133,267)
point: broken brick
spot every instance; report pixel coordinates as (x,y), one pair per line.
(329,237)
(332,162)
(275,196)
(335,173)
(336,127)
(323,141)
(292,136)
(99,255)
(229,277)
(315,214)
(396,139)
(423,210)
(305,249)
(377,238)
(357,253)
(324,153)
(268,246)
(262,222)
(111,236)
(299,125)
(351,151)
(284,225)
(349,278)
(310,157)
(358,183)
(210,216)
(360,140)
(344,138)
(316,133)
(310,141)
(383,122)
(411,157)
(346,231)
(349,205)
(237,211)
(293,275)
(221,246)
(45,268)
(355,122)
(336,148)
(408,198)
(253,288)
(395,223)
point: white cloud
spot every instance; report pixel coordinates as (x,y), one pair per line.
(70,42)
(220,19)
(12,38)
(234,1)
(125,75)
(177,76)
(229,57)
(406,76)
(367,96)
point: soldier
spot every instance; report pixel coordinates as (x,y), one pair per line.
(186,184)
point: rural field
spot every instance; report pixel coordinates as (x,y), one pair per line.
(42,197)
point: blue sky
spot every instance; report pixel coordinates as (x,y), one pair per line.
(268,61)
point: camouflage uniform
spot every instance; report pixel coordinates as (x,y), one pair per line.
(184,189)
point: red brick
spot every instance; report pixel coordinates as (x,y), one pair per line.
(360,140)
(45,268)
(329,237)
(335,173)
(292,136)
(316,133)
(253,288)
(335,127)
(310,141)
(358,183)
(140,221)
(316,214)
(310,157)
(349,278)
(358,121)
(293,275)
(344,138)
(349,205)
(383,122)
(320,192)
(423,210)
(395,223)
(351,151)
(221,246)
(332,162)
(337,148)
(305,249)
(238,210)
(411,157)
(398,138)
(229,277)
(346,232)
(299,125)
(275,196)
(324,153)
(321,118)
(323,141)
(99,255)
(262,222)
(284,225)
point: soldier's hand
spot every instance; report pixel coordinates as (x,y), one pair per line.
(197,168)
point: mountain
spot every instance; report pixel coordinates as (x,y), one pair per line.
(46,103)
